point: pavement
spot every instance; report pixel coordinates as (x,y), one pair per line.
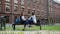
(30,32)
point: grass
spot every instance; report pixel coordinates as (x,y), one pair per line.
(45,27)
(53,27)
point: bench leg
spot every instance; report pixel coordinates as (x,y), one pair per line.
(4,27)
(0,26)
(13,26)
(24,26)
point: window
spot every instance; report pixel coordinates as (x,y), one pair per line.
(7,3)
(22,9)
(16,6)
(8,0)
(38,6)
(15,1)
(38,12)
(28,11)
(22,2)
(15,9)
(7,8)
(33,0)
(33,11)
(33,3)
(0,6)
(28,3)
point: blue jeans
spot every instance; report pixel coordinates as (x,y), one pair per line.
(28,22)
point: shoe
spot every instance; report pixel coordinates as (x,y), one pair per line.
(23,29)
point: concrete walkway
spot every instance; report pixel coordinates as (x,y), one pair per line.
(30,32)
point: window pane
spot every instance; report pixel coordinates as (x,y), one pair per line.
(28,11)
(7,8)
(22,2)
(33,11)
(8,0)
(15,1)
(33,2)
(15,8)
(0,6)
(28,3)
(22,9)
(38,12)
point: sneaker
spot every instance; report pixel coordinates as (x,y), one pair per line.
(23,29)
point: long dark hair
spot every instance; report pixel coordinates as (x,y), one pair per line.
(32,13)
(21,14)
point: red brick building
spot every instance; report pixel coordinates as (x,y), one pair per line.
(43,8)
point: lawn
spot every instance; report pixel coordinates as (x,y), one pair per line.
(54,27)
(50,27)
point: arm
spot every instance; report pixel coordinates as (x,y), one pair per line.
(23,18)
(34,19)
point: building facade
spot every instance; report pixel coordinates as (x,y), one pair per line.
(45,9)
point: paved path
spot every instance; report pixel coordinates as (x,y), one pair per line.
(30,32)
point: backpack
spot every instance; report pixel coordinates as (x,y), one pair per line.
(18,20)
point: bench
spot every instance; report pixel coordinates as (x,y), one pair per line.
(22,23)
(13,25)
